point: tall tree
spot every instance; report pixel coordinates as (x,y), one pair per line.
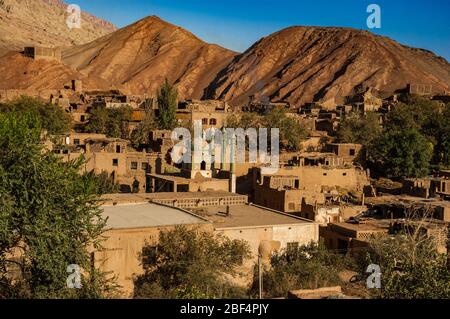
(167,105)
(49,216)
(400,153)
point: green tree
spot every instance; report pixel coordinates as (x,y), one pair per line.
(118,122)
(429,118)
(141,135)
(190,263)
(244,120)
(303,267)
(414,112)
(167,105)
(97,121)
(403,153)
(411,267)
(292,133)
(49,216)
(112,122)
(355,128)
(52,117)
(104,183)
(441,155)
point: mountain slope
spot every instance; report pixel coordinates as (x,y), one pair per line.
(304,64)
(139,57)
(40,75)
(43,22)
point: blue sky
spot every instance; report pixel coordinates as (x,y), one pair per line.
(238,24)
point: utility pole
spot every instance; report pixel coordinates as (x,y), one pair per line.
(260,275)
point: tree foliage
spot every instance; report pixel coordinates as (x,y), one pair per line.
(140,136)
(429,119)
(361,129)
(103,182)
(189,263)
(52,117)
(167,105)
(292,133)
(113,122)
(304,267)
(414,139)
(411,267)
(49,216)
(402,153)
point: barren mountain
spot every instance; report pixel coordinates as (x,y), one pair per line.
(139,57)
(304,64)
(43,22)
(23,73)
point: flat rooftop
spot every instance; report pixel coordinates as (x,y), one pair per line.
(147,215)
(110,199)
(367,225)
(247,216)
(405,200)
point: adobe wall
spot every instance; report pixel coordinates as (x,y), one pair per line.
(122,248)
(278,235)
(312,177)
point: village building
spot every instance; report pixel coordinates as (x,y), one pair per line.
(427,187)
(43,53)
(398,206)
(161,141)
(331,212)
(211,113)
(266,230)
(329,125)
(285,193)
(319,178)
(355,235)
(133,228)
(366,102)
(178,184)
(135,221)
(420,89)
(263,105)
(127,168)
(348,152)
